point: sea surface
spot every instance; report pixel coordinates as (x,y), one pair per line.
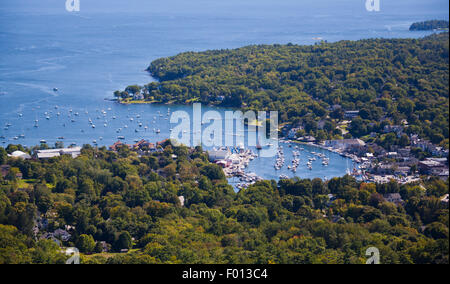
(107,45)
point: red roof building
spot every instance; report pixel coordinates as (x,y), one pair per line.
(144,144)
(117,145)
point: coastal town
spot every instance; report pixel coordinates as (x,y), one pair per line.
(376,163)
(404,164)
(377,166)
(371,162)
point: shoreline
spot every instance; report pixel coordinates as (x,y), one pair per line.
(354,158)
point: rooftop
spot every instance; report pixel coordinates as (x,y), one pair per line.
(62,150)
(48,155)
(218,154)
(20,154)
(51,153)
(347,142)
(431,163)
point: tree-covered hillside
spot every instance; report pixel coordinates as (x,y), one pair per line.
(387,80)
(110,201)
(429,25)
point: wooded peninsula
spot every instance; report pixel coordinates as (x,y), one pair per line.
(429,25)
(387,81)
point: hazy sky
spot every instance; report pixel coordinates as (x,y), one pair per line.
(204,6)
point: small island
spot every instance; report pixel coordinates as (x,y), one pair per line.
(429,25)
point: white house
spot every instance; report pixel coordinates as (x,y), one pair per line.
(20,155)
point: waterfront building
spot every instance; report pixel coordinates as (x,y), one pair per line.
(218,155)
(293,132)
(144,145)
(138,96)
(345,144)
(117,145)
(308,139)
(51,153)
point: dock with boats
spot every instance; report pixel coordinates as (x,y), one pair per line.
(234,161)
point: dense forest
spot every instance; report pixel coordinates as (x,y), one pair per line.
(389,81)
(122,201)
(429,25)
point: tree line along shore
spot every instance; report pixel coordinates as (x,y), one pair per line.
(429,25)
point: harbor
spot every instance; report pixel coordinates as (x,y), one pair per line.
(234,161)
(106,123)
(45,104)
(97,125)
(244,167)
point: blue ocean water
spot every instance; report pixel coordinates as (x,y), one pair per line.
(108,45)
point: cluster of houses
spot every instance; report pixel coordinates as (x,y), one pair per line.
(434,167)
(427,146)
(401,165)
(59,236)
(380,165)
(41,223)
(401,162)
(141,147)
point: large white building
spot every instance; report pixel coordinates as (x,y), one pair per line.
(51,153)
(20,154)
(218,155)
